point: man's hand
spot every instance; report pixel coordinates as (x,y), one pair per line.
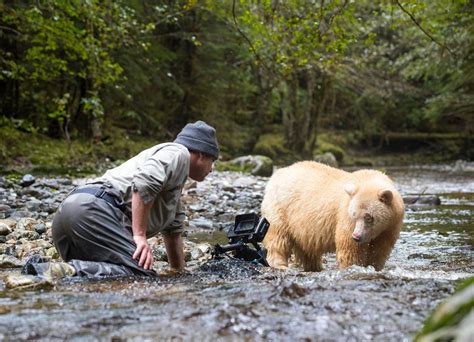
(143,252)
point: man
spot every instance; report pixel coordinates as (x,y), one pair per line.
(101,228)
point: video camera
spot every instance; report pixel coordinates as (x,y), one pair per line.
(248,229)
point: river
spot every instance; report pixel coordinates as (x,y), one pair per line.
(227,300)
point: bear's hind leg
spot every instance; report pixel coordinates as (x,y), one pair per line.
(278,245)
(310,262)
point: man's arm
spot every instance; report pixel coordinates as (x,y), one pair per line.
(140,215)
(174,250)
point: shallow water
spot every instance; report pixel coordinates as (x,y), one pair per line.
(233,300)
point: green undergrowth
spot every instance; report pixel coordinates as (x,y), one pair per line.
(22,152)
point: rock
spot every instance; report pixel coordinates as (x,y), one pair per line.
(51,183)
(11,224)
(27,282)
(27,180)
(33,205)
(201,252)
(462,166)
(326,158)
(8,261)
(420,256)
(52,253)
(256,165)
(453,319)
(4,207)
(26,224)
(19,214)
(196,208)
(159,253)
(4,229)
(422,200)
(64,181)
(244,182)
(201,222)
(40,228)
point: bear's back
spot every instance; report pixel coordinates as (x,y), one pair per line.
(302,184)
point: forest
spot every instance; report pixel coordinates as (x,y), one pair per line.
(89,79)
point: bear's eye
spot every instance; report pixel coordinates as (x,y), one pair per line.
(368,218)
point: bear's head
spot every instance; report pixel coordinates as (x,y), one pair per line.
(373,208)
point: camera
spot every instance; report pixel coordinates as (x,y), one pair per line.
(248,229)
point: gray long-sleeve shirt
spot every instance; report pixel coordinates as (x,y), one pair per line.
(158,173)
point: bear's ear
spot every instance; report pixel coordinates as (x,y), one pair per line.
(386,196)
(350,188)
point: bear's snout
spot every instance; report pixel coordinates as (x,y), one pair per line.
(356,236)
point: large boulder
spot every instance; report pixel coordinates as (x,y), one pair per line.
(326,158)
(256,165)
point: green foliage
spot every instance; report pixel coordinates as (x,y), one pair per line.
(109,69)
(273,146)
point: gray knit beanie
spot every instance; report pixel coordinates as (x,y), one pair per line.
(199,136)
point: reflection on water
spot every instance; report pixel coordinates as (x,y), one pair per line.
(233,300)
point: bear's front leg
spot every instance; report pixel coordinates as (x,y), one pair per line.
(381,247)
(348,251)
(278,247)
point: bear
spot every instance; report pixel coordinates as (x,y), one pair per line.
(314,209)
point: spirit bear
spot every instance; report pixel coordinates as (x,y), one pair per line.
(314,209)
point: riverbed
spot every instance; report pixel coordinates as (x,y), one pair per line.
(226,299)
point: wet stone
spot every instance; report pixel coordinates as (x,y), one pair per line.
(51,183)
(9,261)
(4,229)
(4,207)
(27,180)
(40,228)
(26,224)
(201,223)
(27,282)
(33,205)
(420,256)
(20,214)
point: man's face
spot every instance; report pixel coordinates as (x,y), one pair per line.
(200,166)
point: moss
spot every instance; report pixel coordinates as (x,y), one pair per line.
(272,145)
(227,166)
(323,146)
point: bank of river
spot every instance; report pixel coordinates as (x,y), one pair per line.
(232,300)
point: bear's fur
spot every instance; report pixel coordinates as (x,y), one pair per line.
(314,209)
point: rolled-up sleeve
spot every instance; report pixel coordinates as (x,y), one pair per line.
(176,226)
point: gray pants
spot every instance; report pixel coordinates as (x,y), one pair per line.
(95,236)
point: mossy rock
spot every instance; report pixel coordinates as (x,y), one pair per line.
(326,158)
(453,319)
(324,146)
(254,164)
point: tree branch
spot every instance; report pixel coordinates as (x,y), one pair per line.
(6,28)
(245,36)
(423,30)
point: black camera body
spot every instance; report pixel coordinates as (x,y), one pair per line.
(248,229)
